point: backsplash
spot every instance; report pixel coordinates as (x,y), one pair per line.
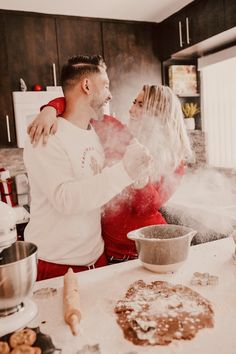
(12,160)
(198,143)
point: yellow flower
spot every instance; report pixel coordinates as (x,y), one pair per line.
(190,109)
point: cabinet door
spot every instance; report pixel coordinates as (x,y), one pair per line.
(230,13)
(7,126)
(31,49)
(78,37)
(173,35)
(131,61)
(204,19)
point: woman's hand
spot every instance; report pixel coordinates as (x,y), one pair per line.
(44,124)
(137,161)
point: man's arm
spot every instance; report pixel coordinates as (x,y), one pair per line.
(50,169)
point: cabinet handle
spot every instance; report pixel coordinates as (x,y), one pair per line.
(54,74)
(187,31)
(8,129)
(180,35)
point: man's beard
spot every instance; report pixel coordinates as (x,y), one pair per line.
(97,113)
(97,109)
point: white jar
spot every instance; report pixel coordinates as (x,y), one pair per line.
(190,123)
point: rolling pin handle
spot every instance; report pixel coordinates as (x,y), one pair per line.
(74,324)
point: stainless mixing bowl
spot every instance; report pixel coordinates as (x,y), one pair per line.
(18,272)
(162,248)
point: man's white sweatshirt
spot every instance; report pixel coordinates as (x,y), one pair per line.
(68,186)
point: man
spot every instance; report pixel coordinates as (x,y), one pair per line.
(67,180)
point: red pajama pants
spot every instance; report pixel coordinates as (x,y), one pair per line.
(48,270)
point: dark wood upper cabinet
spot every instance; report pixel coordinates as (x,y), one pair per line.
(230,13)
(203,19)
(28,49)
(131,61)
(196,22)
(78,37)
(172,35)
(7,125)
(31,49)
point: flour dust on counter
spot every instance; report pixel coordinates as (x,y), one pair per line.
(90,349)
(45,293)
(159,312)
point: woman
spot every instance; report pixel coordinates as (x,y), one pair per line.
(156,120)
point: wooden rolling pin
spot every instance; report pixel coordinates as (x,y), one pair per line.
(72,313)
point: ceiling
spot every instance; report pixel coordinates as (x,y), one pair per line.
(147,10)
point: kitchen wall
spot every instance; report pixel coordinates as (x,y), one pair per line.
(12,160)
(198,143)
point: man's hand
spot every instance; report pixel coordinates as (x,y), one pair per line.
(137,161)
(43,125)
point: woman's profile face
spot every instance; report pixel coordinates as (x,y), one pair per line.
(136,113)
(136,110)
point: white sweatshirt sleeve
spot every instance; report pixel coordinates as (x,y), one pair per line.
(50,169)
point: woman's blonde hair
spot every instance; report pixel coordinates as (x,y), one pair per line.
(163,130)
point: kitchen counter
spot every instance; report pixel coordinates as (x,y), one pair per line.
(101,288)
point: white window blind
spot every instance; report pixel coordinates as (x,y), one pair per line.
(218,92)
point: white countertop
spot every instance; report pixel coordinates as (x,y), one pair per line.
(101,288)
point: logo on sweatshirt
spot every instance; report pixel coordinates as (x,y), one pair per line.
(93,163)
